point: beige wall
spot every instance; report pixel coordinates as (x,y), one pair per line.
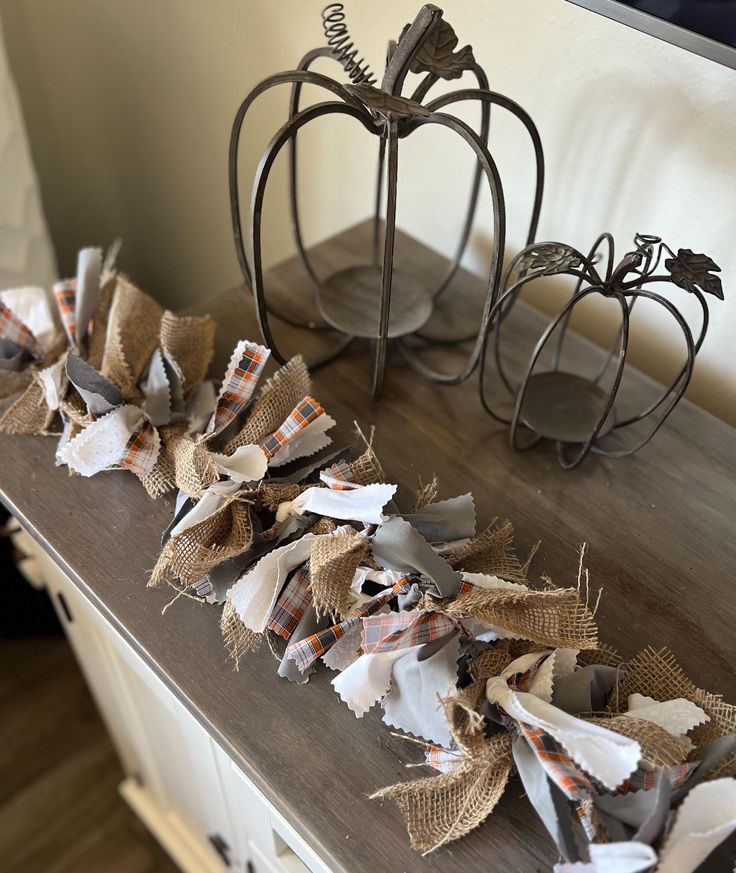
(129,107)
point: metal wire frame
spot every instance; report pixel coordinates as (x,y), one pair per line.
(358,111)
(400,59)
(614,285)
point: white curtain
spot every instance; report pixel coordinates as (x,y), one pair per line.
(26,256)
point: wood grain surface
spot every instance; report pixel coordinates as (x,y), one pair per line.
(659,529)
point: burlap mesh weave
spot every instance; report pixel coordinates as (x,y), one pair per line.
(162,478)
(366,469)
(29,414)
(557,618)
(322,526)
(659,748)
(276,400)
(726,769)
(657,674)
(492,662)
(491,552)
(133,332)
(190,342)
(194,468)
(270,495)
(332,565)
(441,809)
(239,640)
(198,549)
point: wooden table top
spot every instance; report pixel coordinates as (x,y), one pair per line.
(660,534)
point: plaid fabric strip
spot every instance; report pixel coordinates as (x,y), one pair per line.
(66,295)
(558,765)
(303,414)
(338,477)
(444,760)
(238,385)
(292,603)
(142,450)
(13,330)
(401,630)
(305,652)
(586,821)
(643,780)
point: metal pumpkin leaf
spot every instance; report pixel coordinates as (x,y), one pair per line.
(438,56)
(691,271)
(549,259)
(388,105)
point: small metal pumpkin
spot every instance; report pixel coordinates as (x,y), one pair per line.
(573,410)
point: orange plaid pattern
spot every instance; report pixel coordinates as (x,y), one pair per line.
(13,330)
(558,765)
(305,412)
(306,651)
(292,603)
(65,293)
(338,477)
(142,450)
(402,630)
(238,385)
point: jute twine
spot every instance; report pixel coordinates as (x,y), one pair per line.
(444,808)
(276,400)
(133,332)
(239,640)
(29,414)
(426,494)
(332,565)
(657,674)
(193,553)
(557,618)
(490,552)
(190,342)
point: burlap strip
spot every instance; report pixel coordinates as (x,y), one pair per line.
(133,332)
(193,553)
(557,618)
(492,553)
(278,397)
(332,565)
(657,674)
(189,341)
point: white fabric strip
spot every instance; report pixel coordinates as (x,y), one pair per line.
(368,679)
(102,444)
(246,464)
(254,594)
(363,504)
(608,757)
(705,819)
(307,441)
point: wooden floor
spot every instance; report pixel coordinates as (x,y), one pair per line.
(59,807)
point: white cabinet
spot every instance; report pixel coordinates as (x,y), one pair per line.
(187,790)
